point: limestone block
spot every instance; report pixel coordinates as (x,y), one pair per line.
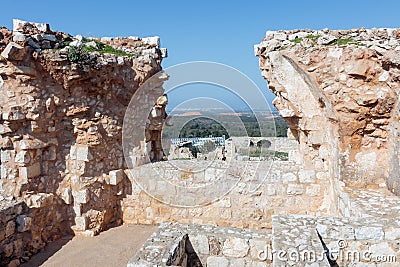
(116,176)
(316,137)
(298,35)
(77,209)
(393,57)
(77,167)
(382,248)
(366,159)
(274,176)
(150,51)
(19,37)
(13,51)
(326,39)
(6,155)
(31,144)
(259,249)
(359,67)
(392,234)
(200,244)
(14,114)
(313,190)
(164,52)
(30,171)
(237,262)
(129,215)
(81,196)
(369,233)
(270,190)
(215,261)
(154,40)
(80,152)
(235,247)
(289,178)
(4,171)
(4,128)
(281,36)
(24,223)
(307,176)
(22,157)
(39,200)
(66,195)
(384,76)
(295,189)
(81,223)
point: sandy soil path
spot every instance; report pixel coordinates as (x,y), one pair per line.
(111,248)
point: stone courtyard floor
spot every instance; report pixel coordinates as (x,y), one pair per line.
(111,248)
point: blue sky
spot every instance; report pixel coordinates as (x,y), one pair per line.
(220,31)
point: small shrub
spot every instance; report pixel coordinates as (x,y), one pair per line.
(77,54)
(297,40)
(313,36)
(102,48)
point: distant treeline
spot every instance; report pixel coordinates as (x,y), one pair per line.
(226,125)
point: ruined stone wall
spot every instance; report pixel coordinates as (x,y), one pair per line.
(338,91)
(280,187)
(62,111)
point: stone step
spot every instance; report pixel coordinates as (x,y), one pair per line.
(300,240)
(374,202)
(175,244)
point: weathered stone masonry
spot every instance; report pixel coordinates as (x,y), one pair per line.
(338,90)
(61,132)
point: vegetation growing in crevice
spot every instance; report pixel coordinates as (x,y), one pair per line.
(337,42)
(103,48)
(77,54)
(297,40)
(81,54)
(313,36)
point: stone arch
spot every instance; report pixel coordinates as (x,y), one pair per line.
(310,116)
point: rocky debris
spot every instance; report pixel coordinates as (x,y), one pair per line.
(39,36)
(30,27)
(13,51)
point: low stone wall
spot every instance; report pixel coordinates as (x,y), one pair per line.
(351,241)
(203,245)
(26,229)
(11,238)
(280,187)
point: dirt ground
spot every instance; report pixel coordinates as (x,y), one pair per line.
(111,248)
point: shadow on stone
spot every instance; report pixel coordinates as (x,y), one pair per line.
(47,252)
